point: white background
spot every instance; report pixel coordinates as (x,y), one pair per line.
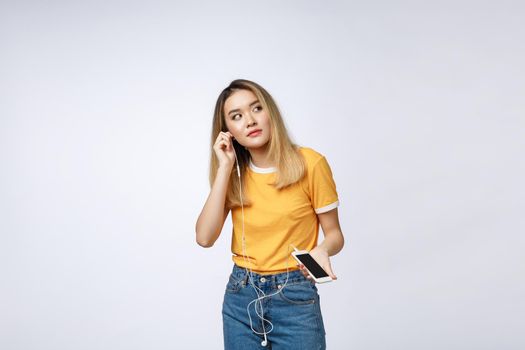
(105,120)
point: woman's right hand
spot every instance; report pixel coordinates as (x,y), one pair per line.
(224,150)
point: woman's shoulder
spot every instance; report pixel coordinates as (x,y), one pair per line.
(310,155)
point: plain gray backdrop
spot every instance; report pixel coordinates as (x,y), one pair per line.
(105,121)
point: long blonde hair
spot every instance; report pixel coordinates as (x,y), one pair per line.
(290,164)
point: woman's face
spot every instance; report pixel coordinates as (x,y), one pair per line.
(244,114)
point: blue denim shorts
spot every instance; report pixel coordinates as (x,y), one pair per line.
(294,311)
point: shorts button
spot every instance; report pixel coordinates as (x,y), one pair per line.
(279,287)
(263,279)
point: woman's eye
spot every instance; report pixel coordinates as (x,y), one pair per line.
(258,107)
(233,117)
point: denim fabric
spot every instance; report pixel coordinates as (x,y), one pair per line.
(294,311)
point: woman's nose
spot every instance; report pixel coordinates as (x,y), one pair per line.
(250,120)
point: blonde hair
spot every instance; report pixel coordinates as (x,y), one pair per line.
(290,164)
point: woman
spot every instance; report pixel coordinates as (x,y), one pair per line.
(278,194)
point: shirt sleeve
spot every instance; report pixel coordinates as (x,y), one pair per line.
(323,192)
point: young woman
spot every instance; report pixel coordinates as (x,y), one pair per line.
(278,193)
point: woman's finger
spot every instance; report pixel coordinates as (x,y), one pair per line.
(227,135)
(227,140)
(222,137)
(330,272)
(221,141)
(305,273)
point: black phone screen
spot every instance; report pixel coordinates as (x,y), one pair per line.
(312,265)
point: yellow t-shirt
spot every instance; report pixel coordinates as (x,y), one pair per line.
(278,218)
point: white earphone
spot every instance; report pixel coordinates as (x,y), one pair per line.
(260,293)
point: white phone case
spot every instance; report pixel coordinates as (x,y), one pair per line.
(318,280)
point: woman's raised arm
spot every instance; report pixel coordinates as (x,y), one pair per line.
(211,219)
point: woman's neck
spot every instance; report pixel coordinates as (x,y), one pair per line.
(259,157)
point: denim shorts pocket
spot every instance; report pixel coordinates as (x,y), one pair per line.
(302,293)
(234,284)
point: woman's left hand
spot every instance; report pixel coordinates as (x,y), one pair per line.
(322,258)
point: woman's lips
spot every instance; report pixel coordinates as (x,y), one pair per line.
(255,133)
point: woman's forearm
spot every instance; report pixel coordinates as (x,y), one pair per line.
(333,242)
(211,219)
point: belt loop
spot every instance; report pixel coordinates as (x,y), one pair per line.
(246,277)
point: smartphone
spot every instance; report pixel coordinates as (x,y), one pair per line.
(314,269)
